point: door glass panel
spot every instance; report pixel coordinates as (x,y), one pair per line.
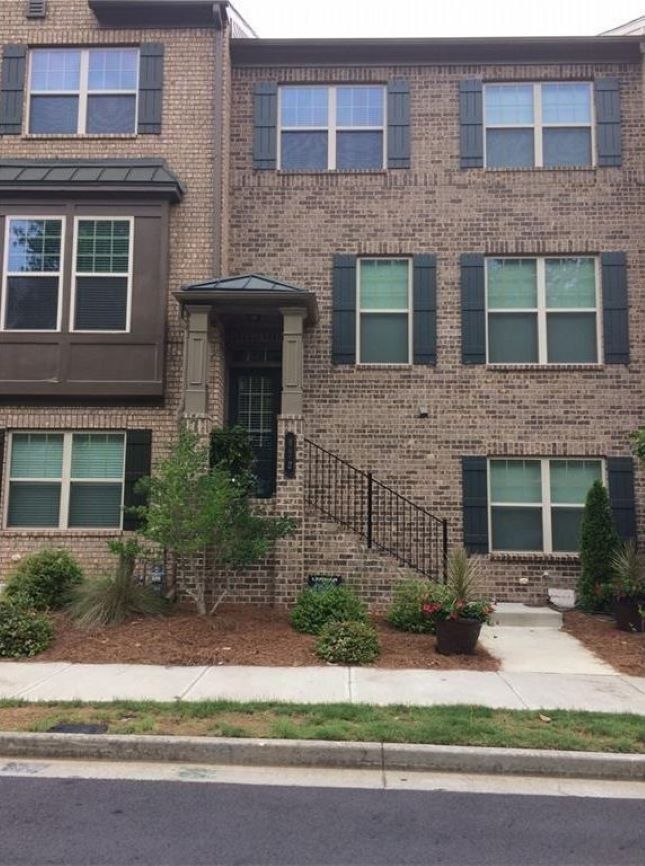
(255,409)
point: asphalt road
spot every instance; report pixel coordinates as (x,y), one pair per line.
(74,821)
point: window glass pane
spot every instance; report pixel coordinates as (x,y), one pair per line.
(111,114)
(97,455)
(53,114)
(570,283)
(113,69)
(304,106)
(359,150)
(95,505)
(304,150)
(34,504)
(34,245)
(36,455)
(101,304)
(512,283)
(571,338)
(509,148)
(566,146)
(517,528)
(515,481)
(512,338)
(55,69)
(571,480)
(384,284)
(384,338)
(103,246)
(565,529)
(566,103)
(509,104)
(32,304)
(359,106)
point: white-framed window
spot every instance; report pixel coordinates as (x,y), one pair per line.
(536,504)
(529,125)
(32,273)
(331,128)
(102,280)
(543,310)
(71,480)
(77,91)
(384,319)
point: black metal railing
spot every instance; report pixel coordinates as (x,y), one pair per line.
(387,520)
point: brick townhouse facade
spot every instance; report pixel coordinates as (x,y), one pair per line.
(412,269)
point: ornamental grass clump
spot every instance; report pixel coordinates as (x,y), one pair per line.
(117,597)
(348,643)
(315,608)
(458,600)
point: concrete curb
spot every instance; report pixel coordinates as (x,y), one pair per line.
(319,753)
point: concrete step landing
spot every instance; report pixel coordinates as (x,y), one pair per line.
(516,614)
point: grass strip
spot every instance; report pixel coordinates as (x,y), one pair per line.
(461,725)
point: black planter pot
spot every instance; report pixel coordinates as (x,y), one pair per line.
(457,636)
(627,616)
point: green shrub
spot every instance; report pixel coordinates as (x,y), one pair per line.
(23,632)
(315,608)
(115,597)
(405,612)
(44,580)
(598,544)
(348,643)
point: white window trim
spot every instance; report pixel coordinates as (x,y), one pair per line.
(399,310)
(331,128)
(65,481)
(538,126)
(84,92)
(9,218)
(75,274)
(545,504)
(541,310)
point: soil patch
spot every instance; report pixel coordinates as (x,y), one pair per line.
(236,635)
(623,650)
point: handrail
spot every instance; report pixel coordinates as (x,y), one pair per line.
(386,519)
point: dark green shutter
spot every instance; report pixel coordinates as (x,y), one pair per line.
(12,86)
(398,124)
(265,153)
(344,310)
(614,308)
(138,459)
(151,61)
(473,309)
(471,133)
(620,475)
(424,321)
(608,133)
(474,472)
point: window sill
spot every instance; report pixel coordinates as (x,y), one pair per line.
(542,168)
(499,556)
(544,368)
(64,533)
(49,136)
(283,172)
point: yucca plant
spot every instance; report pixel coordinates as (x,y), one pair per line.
(117,597)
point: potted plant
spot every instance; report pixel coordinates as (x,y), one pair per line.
(628,586)
(459,617)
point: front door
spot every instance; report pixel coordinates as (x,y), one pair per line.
(254,405)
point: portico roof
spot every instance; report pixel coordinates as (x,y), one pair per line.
(248,293)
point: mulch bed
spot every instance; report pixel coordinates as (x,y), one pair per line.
(236,635)
(623,650)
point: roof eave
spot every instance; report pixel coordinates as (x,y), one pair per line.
(169,192)
(230,301)
(170,13)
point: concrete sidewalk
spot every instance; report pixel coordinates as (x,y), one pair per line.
(540,668)
(609,692)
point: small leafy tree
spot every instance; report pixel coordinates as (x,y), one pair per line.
(638,443)
(193,506)
(598,543)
